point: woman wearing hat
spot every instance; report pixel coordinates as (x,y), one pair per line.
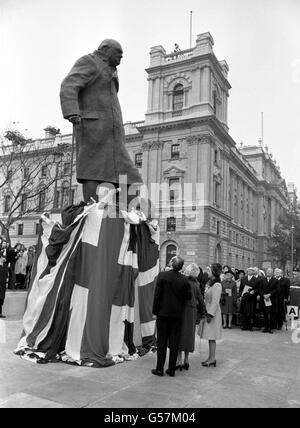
(212,325)
(228,298)
(194,309)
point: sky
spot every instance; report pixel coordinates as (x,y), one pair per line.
(260,39)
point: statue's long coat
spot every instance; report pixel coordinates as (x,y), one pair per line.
(91,91)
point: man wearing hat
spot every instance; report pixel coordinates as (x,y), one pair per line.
(89,100)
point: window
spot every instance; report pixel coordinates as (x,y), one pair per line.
(215,101)
(138,160)
(42,201)
(6,203)
(44,171)
(174,189)
(9,174)
(56,203)
(177,100)
(218,227)
(65,195)
(23,206)
(26,173)
(37,228)
(67,168)
(171,224)
(216,156)
(20,228)
(175,151)
(217,187)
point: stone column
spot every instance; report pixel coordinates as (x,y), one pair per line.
(205,170)
(150,95)
(205,84)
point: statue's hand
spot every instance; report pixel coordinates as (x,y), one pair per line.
(75,119)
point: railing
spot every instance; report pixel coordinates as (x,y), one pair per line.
(179,55)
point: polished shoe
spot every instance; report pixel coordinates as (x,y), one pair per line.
(224,326)
(157,372)
(2,316)
(186,366)
(230,328)
(209,364)
(179,367)
(170,372)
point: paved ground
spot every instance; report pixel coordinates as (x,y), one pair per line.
(253,370)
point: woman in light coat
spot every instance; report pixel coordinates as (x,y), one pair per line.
(212,325)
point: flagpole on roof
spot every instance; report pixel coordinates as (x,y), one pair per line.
(191,26)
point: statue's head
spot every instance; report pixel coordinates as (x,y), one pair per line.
(113,50)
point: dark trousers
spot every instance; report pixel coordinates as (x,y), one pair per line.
(247,321)
(11,277)
(269,320)
(168,333)
(281,314)
(1,304)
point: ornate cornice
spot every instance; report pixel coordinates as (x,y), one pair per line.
(152,145)
(200,138)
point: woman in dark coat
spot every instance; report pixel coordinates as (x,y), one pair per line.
(193,310)
(228,298)
(3,281)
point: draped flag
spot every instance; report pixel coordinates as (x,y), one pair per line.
(91,280)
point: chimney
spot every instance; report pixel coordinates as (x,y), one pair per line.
(51,131)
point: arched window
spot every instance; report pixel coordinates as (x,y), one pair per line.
(177,100)
(171,251)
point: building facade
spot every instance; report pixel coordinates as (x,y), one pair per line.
(214,201)
(184,140)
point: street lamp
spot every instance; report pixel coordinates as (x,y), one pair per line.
(292,255)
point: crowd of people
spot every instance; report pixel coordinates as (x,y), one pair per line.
(214,300)
(15,268)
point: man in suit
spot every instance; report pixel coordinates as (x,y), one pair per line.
(248,292)
(269,300)
(171,292)
(89,100)
(282,297)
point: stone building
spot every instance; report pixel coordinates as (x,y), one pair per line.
(214,201)
(184,140)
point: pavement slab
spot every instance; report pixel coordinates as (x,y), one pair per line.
(253,370)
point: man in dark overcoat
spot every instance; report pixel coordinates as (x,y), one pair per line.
(3,282)
(268,302)
(171,292)
(248,292)
(89,100)
(283,297)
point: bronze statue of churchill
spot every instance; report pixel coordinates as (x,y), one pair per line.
(89,99)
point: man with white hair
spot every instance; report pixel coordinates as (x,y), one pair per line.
(248,292)
(282,297)
(268,300)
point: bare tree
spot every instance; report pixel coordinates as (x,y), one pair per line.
(28,170)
